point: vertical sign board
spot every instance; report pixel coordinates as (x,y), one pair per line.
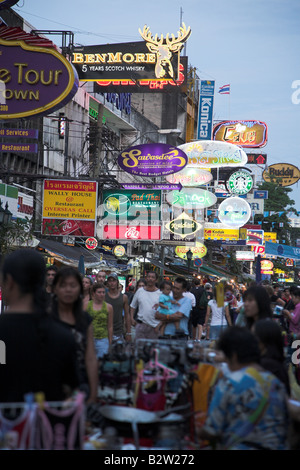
(69,208)
(205,113)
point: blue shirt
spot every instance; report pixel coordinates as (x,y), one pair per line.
(184,308)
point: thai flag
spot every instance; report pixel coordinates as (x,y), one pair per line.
(224,90)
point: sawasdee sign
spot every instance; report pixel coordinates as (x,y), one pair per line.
(34,80)
(152,160)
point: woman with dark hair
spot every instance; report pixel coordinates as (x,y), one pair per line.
(257,305)
(40,353)
(87,291)
(67,309)
(248,408)
(271,344)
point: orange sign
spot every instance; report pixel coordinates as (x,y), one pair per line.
(250,134)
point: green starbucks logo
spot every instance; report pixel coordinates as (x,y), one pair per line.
(240,182)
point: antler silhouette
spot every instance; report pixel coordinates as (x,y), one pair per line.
(147,35)
(183,34)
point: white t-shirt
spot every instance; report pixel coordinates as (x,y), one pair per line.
(145,301)
(190,296)
(218,314)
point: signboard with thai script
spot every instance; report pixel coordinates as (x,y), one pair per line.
(212,154)
(152,160)
(190,176)
(248,134)
(270,237)
(155,58)
(191,198)
(69,208)
(283,174)
(35,80)
(147,86)
(205,110)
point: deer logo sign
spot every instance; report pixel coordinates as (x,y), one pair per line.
(164,51)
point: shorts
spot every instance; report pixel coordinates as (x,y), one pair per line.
(101,346)
(198,317)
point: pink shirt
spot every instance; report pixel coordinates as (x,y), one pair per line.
(295,320)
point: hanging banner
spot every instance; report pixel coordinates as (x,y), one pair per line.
(212,154)
(191,198)
(276,249)
(205,110)
(249,134)
(152,160)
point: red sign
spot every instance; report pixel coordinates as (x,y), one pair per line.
(83,228)
(91,243)
(131,232)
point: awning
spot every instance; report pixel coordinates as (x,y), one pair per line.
(182,269)
(70,255)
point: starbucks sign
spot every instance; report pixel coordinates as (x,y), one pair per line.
(240,182)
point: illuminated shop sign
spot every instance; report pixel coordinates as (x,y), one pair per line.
(255,237)
(154,58)
(183,225)
(257,158)
(266,265)
(129,232)
(146,86)
(240,182)
(119,251)
(191,198)
(234,212)
(283,174)
(152,160)
(245,255)
(221,234)
(199,251)
(212,154)
(124,206)
(249,134)
(190,176)
(34,80)
(69,208)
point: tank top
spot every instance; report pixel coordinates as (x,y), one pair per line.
(117,305)
(99,320)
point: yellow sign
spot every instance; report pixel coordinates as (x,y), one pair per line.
(70,200)
(270,237)
(198,251)
(283,174)
(221,234)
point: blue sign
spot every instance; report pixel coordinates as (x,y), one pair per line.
(231,242)
(205,112)
(276,249)
(198,262)
(257,194)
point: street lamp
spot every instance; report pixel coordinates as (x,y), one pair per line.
(189,256)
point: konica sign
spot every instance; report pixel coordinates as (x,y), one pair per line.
(206,105)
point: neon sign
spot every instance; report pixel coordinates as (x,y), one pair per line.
(183,225)
(249,134)
(190,176)
(199,251)
(191,198)
(234,212)
(212,154)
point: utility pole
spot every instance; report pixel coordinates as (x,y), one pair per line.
(66,157)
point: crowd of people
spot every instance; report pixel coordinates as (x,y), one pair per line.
(72,320)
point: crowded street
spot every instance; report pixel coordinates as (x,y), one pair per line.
(149,229)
